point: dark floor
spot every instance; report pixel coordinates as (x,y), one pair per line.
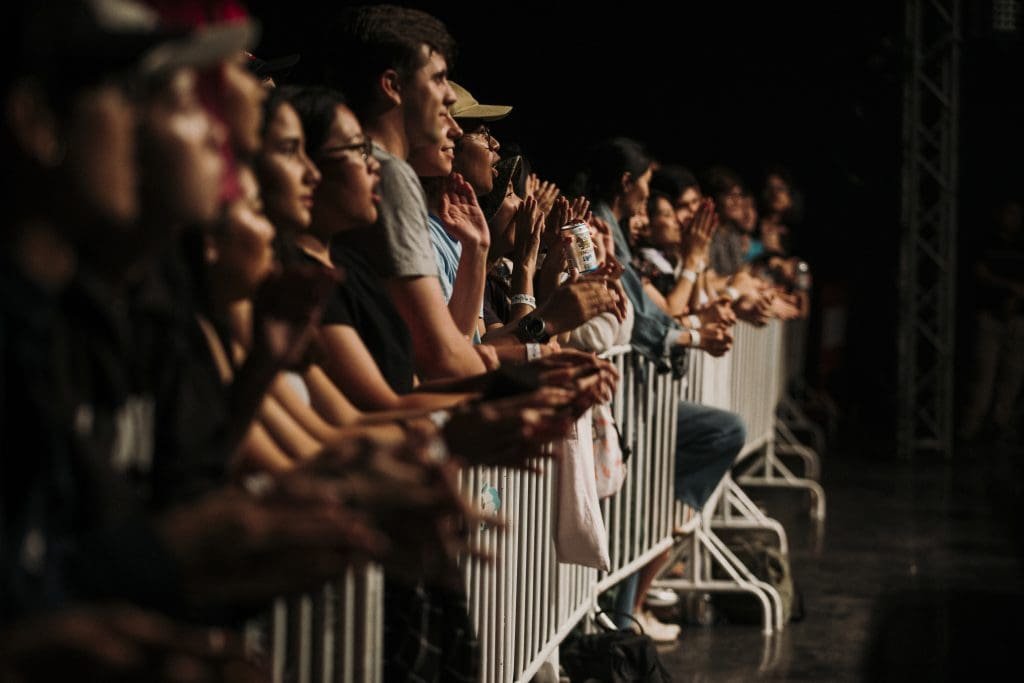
(916,575)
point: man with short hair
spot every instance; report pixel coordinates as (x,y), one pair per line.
(392,63)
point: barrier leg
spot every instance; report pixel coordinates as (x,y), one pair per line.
(789,444)
(735,510)
(706,551)
(790,412)
(768,471)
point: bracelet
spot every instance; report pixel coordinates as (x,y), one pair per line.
(437,451)
(525,299)
(532,351)
(440,418)
(733,293)
(259,485)
(694,339)
(690,275)
(694,322)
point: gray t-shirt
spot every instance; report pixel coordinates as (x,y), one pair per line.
(726,251)
(398,244)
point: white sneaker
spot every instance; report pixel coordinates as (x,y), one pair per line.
(659,632)
(661,597)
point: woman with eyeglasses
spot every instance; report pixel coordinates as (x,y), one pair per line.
(367,348)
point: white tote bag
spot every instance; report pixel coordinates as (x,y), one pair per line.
(609,466)
(580,535)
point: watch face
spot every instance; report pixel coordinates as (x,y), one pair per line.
(531,328)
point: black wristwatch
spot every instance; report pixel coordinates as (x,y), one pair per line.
(531,329)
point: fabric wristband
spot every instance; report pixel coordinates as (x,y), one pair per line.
(524,299)
(440,418)
(694,339)
(437,451)
(690,275)
(733,293)
(532,351)
(694,322)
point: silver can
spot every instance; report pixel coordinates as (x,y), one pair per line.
(582,254)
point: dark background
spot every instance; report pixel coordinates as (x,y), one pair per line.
(815,88)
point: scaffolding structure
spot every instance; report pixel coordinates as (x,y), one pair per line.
(931,106)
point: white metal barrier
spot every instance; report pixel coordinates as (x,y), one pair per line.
(525,603)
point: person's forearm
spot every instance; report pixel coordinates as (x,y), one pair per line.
(439,347)
(468,289)
(258,452)
(522,285)
(702,286)
(286,431)
(245,395)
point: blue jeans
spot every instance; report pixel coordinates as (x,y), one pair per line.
(707,442)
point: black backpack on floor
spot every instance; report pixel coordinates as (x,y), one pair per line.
(613,657)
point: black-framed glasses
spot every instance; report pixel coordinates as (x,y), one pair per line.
(484,133)
(364,148)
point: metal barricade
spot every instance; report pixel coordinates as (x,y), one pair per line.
(524,603)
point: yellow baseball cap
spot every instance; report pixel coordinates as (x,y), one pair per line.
(467,107)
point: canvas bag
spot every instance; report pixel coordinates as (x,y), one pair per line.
(609,463)
(580,536)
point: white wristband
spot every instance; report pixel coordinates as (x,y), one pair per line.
(733,293)
(524,299)
(532,351)
(694,322)
(259,485)
(437,451)
(690,275)
(694,339)
(440,418)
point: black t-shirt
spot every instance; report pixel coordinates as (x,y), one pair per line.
(149,398)
(192,403)
(497,308)
(362,302)
(70,527)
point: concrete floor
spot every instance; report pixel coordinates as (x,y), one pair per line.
(915,575)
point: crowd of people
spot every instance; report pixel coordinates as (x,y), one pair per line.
(250,329)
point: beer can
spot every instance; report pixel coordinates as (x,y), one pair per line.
(582,254)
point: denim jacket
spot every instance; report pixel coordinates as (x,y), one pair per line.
(653,329)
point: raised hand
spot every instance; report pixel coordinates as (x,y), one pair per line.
(558,216)
(529,227)
(697,234)
(579,208)
(460,212)
(545,192)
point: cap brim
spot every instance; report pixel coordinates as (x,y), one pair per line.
(484,112)
(203,47)
(263,68)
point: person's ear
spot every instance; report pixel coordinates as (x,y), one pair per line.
(33,125)
(626,182)
(391,86)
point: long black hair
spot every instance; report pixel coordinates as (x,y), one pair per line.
(607,161)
